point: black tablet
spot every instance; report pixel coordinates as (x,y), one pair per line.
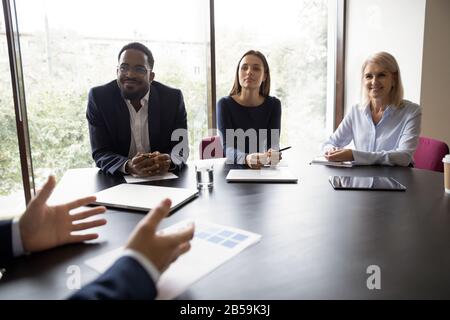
(366,183)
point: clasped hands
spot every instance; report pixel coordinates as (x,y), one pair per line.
(337,154)
(148,164)
(258,160)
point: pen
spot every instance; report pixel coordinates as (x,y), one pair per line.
(285,149)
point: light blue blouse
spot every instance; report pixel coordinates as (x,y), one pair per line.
(390,142)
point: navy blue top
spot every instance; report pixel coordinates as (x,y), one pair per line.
(265,119)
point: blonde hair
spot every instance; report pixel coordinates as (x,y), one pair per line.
(387,61)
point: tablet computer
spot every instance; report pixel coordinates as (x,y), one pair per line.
(366,183)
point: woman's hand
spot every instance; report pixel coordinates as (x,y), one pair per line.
(258,160)
(339,155)
(274,157)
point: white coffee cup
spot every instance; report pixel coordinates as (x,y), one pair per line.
(446,161)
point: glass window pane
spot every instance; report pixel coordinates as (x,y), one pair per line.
(67,50)
(293,37)
(12,199)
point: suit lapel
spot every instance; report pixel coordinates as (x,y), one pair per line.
(123,120)
(154,114)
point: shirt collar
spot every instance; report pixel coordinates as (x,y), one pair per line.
(387,112)
(144,99)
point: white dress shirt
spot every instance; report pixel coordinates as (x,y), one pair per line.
(140,140)
(17,245)
(392,141)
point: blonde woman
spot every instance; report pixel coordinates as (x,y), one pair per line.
(384,127)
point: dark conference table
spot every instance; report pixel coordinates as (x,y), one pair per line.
(317,242)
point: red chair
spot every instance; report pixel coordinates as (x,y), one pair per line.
(429,154)
(211,147)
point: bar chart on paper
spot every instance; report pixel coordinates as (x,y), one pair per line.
(212,245)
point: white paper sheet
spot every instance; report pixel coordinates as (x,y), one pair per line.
(164,176)
(266,174)
(212,246)
(322,160)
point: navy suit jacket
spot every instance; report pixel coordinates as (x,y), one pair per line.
(125,279)
(109,125)
(6,253)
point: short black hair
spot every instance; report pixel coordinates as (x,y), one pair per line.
(140,47)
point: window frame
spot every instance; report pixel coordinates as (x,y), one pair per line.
(18,85)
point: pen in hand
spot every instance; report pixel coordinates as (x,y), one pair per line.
(284,149)
(278,151)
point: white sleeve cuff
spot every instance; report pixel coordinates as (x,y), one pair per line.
(123,167)
(145,263)
(17,245)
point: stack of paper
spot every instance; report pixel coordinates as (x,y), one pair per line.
(163,176)
(266,174)
(324,161)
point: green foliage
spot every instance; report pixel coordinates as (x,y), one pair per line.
(58,132)
(9,150)
(58,75)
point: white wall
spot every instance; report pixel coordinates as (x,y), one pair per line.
(395,26)
(435,96)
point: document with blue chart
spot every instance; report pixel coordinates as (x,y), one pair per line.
(212,245)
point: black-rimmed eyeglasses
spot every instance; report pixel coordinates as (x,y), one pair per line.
(125,68)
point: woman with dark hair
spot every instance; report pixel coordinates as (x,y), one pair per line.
(248,119)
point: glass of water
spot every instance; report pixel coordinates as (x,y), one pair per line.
(204,171)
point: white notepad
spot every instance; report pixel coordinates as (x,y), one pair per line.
(163,176)
(270,174)
(324,161)
(143,197)
(212,246)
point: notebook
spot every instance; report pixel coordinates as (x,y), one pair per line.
(324,161)
(143,197)
(266,174)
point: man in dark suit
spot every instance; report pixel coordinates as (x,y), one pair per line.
(132,276)
(136,125)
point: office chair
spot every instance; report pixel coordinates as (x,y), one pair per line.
(429,154)
(211,147)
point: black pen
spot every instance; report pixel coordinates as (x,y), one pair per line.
(284,149)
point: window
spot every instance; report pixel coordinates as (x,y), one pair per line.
(12,200)
(293,36)
(66,51)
